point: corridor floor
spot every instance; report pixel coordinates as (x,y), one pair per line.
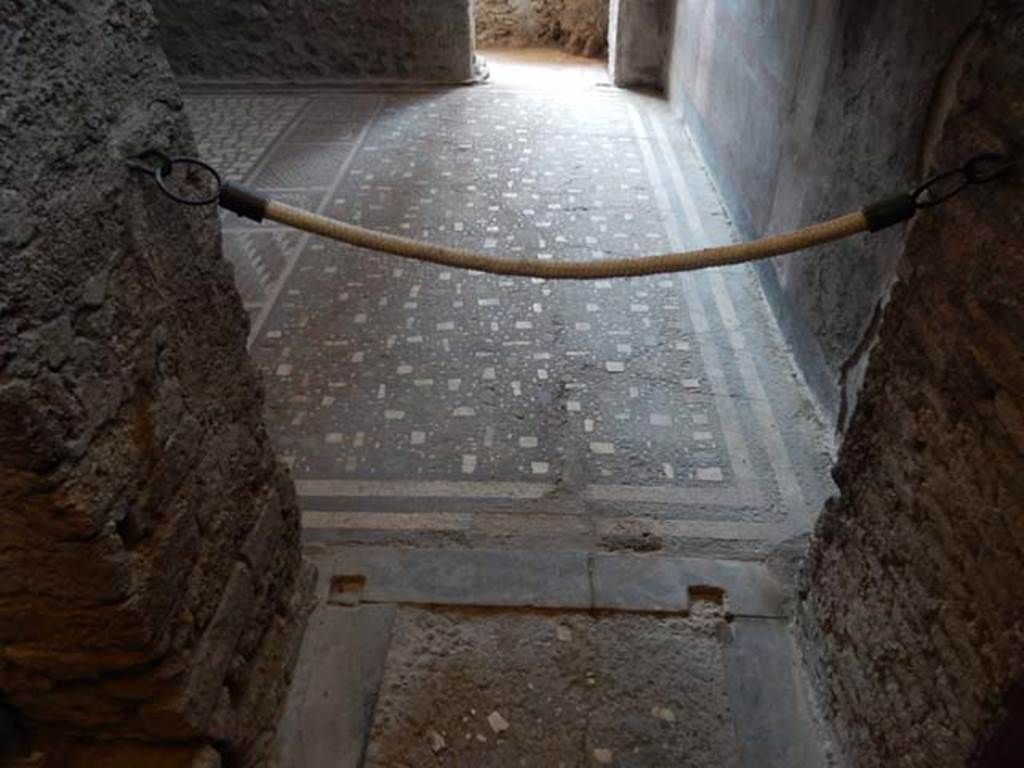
(620,453)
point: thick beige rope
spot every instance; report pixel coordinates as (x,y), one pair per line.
(459,258)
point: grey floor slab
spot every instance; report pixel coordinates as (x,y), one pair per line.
(652,583)
(553,579)
(773,716)
(331,702)
(467,577)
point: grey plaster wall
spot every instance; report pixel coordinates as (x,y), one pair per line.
(309,40)
(579,26)
(639,37)
(912,613)
(151,585)
(808,110)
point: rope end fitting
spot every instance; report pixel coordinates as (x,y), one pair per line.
(243,201)
(890,212)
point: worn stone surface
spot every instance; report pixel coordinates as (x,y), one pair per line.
(150,556)
(913,616)
(807,111)
(641,690)
(423,40)
(331,701)
(638,38)
(579,26)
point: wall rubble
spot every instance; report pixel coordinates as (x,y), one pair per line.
(912,616)
(578,26)
(151,583)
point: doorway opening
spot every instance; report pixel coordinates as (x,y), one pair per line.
(550,44)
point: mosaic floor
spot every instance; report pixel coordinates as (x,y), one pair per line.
(416,403)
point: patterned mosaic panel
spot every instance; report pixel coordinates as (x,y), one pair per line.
(233,131)
(460,386)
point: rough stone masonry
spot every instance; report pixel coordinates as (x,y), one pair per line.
(913,614)
(151,584)
(318,40)
(578,26)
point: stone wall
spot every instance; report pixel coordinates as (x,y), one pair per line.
(805,111)
(912,610)
(638,40)
(151,586)
(578,26)
(311,40)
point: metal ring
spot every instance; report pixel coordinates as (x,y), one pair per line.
(167,168)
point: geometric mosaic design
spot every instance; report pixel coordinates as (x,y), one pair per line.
(401,388)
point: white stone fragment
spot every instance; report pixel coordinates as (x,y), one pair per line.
(437,742)
(603,756)
(540,467)
(418,438)
(615,367)
(564,634)
(468,464)
(528,442)
(664,713)
(498,723)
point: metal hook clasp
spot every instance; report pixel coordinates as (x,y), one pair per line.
(980,169)
(138,163)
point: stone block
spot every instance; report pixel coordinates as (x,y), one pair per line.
(184,710)
(134,462)
(911,619)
